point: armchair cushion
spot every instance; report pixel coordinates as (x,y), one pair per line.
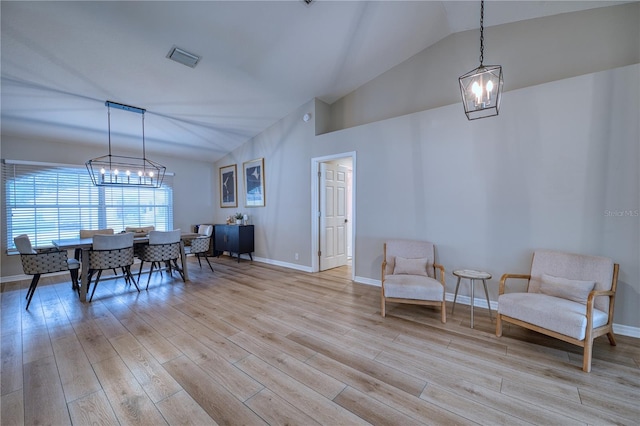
(410,266)
(551,313)
(575,290)
(418,287)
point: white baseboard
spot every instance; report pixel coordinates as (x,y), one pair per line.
(297,267)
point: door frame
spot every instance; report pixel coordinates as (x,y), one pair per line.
(315,208)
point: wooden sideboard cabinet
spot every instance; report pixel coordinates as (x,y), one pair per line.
(236,239)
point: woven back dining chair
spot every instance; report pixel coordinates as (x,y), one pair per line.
(111,252)
(38,262)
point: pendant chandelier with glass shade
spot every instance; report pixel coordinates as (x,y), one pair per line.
(117,170)
(481,88)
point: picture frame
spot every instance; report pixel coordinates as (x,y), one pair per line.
(229,186)
(254,183)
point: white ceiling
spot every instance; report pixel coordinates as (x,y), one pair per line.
(260,61)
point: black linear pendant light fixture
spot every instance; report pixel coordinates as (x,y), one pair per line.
(481,88)
(116,170)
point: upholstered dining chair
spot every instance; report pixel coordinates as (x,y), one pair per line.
(89,233)
(567,296)
(111,252)
(200,246)
(409,275)
(38,262)
(164,246)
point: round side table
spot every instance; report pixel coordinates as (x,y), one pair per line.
(472,275)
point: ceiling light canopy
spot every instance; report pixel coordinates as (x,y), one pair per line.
(110,170)
(481,88)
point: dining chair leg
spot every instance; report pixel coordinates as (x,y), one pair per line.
(207,259)
(179,269)
(198,256)
(150,272)
(140,270)
(95,285)
(32,289)
(127,272)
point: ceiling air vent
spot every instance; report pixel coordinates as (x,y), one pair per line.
(184,57)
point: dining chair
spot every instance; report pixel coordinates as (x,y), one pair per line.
(164,246)
(89,233)
(111,252)
(200,246)
(38,262)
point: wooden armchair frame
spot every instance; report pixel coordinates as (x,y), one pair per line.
(440,303)
(591,333)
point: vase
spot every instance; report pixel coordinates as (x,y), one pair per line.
(238,221)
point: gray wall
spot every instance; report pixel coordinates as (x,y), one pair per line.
(531,52)
(551,171)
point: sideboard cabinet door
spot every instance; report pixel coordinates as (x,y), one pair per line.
(236,239)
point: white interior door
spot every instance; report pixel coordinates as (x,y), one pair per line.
(333,216)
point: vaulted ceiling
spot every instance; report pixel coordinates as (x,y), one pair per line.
(260,60)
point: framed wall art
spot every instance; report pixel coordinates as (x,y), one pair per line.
(229,186)
(254,183)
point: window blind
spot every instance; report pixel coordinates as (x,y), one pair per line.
(54,201)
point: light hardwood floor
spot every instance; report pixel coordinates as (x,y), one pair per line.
(259,344)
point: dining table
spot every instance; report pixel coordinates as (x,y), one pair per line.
(85,244)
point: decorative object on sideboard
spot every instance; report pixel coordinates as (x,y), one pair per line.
(481,88)
(238,217)
(122,170)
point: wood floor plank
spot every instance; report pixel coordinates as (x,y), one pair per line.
(219,368)
(276,411)
(76,374)
(12,408)
(94,343)
(148,371)
(571,410)
(305,399)
(161,349)
(219,403)
(372,410)
(181,409)
(10,362)
(126,396)
(93,409)
(372,368)
(44,402)
(419,409)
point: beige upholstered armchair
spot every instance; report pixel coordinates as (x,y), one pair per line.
(409,275)
(568,296)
